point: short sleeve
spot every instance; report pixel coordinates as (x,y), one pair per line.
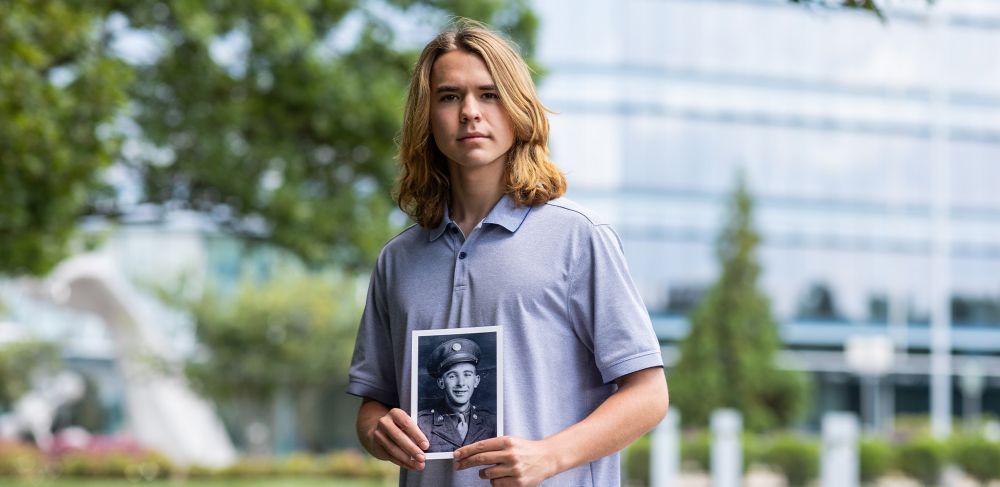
(606,308)
(373,371)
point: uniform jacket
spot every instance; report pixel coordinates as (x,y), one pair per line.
(440,427)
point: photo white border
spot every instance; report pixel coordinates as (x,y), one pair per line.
(415,372)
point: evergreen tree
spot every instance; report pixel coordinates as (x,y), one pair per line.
(727,359)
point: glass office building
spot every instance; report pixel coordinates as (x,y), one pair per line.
(870,147)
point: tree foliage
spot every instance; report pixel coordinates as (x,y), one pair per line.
(59,89)
(18,361)
(728,357)
(288,338)
(293,330)
(275,118)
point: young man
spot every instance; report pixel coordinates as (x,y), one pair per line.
(495,245)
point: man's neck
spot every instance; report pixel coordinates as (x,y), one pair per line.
(460,409)
(474,193)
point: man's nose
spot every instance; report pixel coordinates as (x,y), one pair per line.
(470,109)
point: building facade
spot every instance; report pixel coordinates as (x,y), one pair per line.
(872,149)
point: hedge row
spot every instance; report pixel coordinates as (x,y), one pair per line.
(798,457)
(23,461)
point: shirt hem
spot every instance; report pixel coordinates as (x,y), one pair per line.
(631,364)
(364,390)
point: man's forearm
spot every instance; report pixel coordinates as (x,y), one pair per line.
(368,415)
(639,404)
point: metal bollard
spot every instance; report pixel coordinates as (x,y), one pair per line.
(839,464)
(727,452)
(665,453)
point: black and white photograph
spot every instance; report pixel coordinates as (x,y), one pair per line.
(457,384)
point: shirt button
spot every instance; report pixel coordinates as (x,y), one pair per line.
(461,255)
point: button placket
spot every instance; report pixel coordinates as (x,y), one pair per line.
(462,259)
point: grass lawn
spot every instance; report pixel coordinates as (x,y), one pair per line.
(265,482)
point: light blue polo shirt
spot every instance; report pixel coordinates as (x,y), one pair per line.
(554,277)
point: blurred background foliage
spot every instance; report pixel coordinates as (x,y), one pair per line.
(19,360)
(288,338)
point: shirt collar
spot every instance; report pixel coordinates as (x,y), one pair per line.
(439,230)
(505,213)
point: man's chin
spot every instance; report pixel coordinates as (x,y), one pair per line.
(459,402)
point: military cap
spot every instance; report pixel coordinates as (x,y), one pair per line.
(451,352)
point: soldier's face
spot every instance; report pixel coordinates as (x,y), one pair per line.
(458,383)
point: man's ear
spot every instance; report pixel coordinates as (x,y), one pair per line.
(441,382)
(477,382)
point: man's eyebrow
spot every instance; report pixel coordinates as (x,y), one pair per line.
(454,89)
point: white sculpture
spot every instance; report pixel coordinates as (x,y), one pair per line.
(36,411)
(162,412)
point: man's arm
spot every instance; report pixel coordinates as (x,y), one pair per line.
(391,434)
(639,404)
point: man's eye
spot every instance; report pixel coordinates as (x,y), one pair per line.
(491,96)
(449,98)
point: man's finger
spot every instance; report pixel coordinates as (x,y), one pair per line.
(410,428)
(397,454)
(404,442)
(485,458)
(496,472)
(491,444)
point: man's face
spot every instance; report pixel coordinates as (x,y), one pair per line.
(470,125)
(459,382)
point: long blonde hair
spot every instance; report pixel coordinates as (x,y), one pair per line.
(530,177)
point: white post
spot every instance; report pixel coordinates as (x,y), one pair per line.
(665,454)
(727,453)
(940,234)
(839,464)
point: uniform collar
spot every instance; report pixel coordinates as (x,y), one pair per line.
(505,213)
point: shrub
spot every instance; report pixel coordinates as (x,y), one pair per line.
(978,457)
(695,451)
(201,472)
(352,463)
(922,460)
(115,464)
(876,457)
(797,458)
(249,467)
(637,460)
(298,464)
(20,460)
(753,451)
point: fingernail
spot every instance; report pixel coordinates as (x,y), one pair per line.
(425,445)
(420,458)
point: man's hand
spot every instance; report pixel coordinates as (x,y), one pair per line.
(394,436)
(516,461)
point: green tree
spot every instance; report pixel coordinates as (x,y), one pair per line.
(275,118)
(18,361)
(728,357)
(59,89)
(288,338)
